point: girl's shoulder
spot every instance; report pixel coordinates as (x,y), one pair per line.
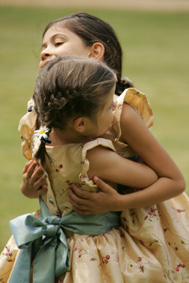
(85,164)
(139,102)
(97,142)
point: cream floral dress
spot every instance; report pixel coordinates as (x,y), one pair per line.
(151,245)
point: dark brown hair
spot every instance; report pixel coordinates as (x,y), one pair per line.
(91,30)
(70,87)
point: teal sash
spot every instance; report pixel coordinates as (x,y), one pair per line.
(44,240)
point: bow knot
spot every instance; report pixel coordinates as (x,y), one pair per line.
(52,225)
(44,240)
(50,231)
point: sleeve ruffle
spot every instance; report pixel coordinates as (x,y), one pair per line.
(86,182)
(26,128)
(138,101)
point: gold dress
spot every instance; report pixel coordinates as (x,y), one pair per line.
(151,245)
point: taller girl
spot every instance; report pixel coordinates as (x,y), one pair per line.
(84,35)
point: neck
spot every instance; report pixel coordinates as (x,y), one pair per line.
(61,137)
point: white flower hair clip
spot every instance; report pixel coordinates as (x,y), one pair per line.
(43,134)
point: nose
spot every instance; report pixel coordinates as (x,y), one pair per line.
(45,53)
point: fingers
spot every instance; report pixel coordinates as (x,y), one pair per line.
(27,166)
(34,182)
(34,174)
(81,193)
(38,177)
(40,184)
(42,190)
(76,198)
(32,169)
(87,203)
(101,184)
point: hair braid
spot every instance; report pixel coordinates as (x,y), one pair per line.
(71,87)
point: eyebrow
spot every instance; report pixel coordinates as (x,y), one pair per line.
(53,37)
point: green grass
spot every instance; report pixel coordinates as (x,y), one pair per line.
(156,59)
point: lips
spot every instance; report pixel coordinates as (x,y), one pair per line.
(44,63)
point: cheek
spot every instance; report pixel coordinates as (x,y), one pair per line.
(108,119)
(80,53)
(111,116)
(111,119)
(78,49)
(69,52)
(73,48)
(64,51)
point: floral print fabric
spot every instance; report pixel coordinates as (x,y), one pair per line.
(151,246)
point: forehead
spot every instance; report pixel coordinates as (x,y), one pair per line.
(59,28)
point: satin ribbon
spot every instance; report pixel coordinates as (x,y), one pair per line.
(44,241)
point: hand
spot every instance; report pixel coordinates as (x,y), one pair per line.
(84,202)
(34,183)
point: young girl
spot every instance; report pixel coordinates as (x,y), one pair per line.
(137,222)
(74,100)
(79,34)
(73,112)
(85,35)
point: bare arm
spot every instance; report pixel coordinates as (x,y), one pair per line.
(108,165)
(170,183)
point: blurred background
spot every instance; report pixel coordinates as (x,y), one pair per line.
(155,39)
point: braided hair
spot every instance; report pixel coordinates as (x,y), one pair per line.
(68,88)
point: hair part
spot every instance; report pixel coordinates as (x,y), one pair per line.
(91,30)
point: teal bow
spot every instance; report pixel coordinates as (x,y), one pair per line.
(44,241)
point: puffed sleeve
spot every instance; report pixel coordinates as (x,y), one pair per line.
(26,128)
(139,102)
(86,182)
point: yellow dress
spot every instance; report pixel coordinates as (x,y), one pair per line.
(151,246)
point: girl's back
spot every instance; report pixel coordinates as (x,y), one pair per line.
(68,164)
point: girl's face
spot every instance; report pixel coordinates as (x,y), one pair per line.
(60,41)
(104,118)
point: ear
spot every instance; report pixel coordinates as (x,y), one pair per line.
(80,124)
(97,51)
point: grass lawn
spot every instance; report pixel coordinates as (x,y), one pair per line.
(156,58)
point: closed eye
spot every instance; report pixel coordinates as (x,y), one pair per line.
(58,43)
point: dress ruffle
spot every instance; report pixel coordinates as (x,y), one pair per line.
(151,246)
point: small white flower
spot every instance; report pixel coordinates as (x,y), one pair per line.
(42,133)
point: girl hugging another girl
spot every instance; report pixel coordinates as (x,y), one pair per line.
(82,130)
